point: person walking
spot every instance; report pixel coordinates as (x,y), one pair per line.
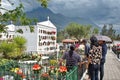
(95,56)
(72,58)
(104,52)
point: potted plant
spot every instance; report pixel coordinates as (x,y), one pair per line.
(53,37)
(36,68)
(62,70)
(45,76)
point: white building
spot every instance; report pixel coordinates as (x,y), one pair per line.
(10,33)
(42,40)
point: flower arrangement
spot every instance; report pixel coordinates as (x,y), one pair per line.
(36,57)
(81,49)
(45,76)
(52,70)
(62,70)
(36,68)
(18,71)
(53,32)
(33,56)
(53,37)
(1,78)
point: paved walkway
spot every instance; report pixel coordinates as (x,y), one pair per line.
(112,67)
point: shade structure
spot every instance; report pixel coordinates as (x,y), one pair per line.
(118,44)
(68,41)
(103,38)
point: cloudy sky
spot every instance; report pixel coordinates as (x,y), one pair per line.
(101,11)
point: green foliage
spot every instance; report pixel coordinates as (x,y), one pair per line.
(62,35)
(2,28)
(20,31)
(6,66)
(109,31)
(12,15)
(95,31)
(53,62)
(7,48)
(17,15)
(31,28)
(8,62)
(44,3)
(78,31)
(13,49)
(104,30)
(20,41)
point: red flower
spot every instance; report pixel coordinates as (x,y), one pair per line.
(53,32)
(23,76)
(45,75)
(62,69)
(19,72)
(36,67)
(52,67)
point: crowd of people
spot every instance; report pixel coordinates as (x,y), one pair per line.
(94,57)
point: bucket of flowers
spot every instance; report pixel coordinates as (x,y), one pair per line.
(19,72)
(45,76)
(36,68)
(62,70)
(52,70)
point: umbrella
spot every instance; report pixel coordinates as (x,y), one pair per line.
(68,41)
(103,38)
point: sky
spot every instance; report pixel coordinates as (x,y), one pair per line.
(100,11)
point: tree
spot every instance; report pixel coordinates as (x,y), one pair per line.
(6,48)
(17,15)
(104,30)
(20,42)
(13,49)
(95,31)
(60,35)
(78,31)
(111,32)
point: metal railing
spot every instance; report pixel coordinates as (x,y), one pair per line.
(73,74)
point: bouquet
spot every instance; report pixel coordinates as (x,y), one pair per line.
(45,76)
(62,70)
(19,72)
(52,70)
(36,68)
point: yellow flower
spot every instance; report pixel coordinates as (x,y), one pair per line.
(16,69)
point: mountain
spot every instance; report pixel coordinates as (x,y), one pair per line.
(59,20)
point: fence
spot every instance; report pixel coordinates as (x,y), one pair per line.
(6,73)
(72,75)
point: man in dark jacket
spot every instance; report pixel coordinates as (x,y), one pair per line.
(104,52)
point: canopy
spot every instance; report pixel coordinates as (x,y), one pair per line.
(118,44)
(103,38)
(68,41)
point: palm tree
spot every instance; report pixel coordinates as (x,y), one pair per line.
(6,48)
(20,42)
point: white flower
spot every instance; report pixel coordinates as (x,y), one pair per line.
(81,47)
